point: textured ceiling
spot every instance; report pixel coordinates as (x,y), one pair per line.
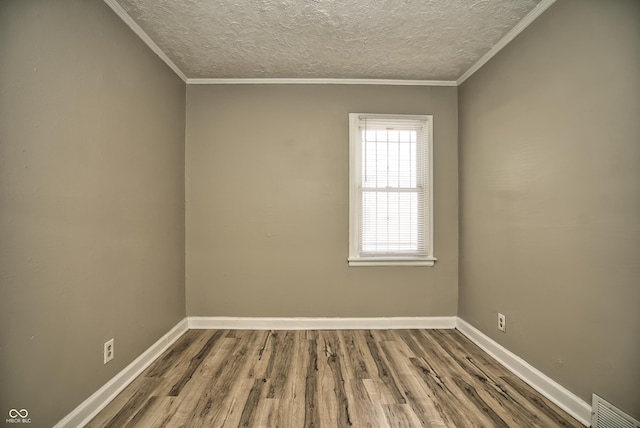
(328,39)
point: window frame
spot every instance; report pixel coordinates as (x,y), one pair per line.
(355,201)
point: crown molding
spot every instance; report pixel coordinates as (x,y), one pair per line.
(512,34)
(115,6)
(279,81)
(504,41)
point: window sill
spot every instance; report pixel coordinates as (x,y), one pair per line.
(391,261)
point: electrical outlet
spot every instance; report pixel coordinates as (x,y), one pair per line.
(108,351)
(502,323)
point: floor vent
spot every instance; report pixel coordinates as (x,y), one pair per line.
(606,415)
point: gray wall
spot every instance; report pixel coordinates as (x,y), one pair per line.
(268,206)
(91,202)
(92,130)
(550,197)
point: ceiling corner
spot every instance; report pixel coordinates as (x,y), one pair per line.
(504,41)
(115,6)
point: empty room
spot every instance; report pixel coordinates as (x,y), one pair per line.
(320,213)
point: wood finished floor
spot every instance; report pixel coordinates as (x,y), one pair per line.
(359,378)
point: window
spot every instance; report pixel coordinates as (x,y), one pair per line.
(390,195)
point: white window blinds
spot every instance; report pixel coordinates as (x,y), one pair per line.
(391,185)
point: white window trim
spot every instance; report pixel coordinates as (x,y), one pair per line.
(355,161)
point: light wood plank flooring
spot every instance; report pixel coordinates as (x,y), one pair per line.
(359,378)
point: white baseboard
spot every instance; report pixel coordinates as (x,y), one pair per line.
(86,411)
(546,386)
(239,323)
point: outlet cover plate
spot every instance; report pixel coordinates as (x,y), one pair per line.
(502,323)
(108,351)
